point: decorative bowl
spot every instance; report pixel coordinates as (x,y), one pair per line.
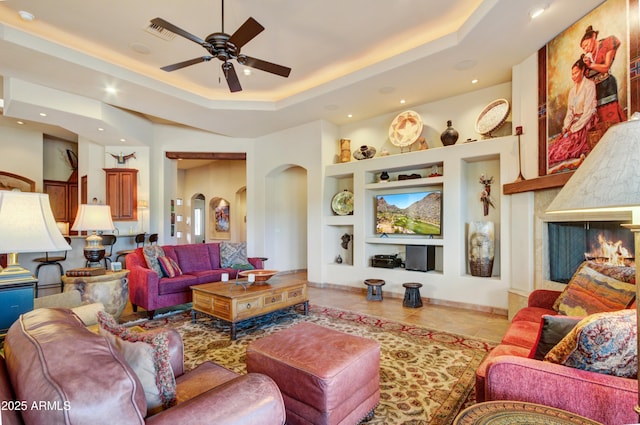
(261,275)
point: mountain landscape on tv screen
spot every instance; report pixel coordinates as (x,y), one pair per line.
(420,218)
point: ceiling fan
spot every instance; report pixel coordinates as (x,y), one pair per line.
(225,47)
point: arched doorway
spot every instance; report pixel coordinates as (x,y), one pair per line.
(286,218)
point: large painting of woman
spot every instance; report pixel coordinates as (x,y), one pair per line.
(595,48)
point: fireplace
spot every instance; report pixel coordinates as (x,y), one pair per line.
(570,243)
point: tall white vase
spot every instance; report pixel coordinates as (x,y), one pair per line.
(481,245)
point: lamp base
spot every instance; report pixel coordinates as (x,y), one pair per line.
(94,250)
(14,272)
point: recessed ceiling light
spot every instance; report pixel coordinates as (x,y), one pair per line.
(20,122)
(535,13)
(350,116)
(26,16)
(100,129)
(402,101)
(474,81)
(123,140)
(247,71)
(42,114)
(110,90)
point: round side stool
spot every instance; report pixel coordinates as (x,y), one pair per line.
(374,289)
(412,297)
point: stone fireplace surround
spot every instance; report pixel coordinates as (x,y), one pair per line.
(540,200)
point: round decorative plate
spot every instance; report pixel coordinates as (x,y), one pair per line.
(342,203)
(492,116)
(405,129)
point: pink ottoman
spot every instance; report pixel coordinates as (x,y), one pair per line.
(325,376)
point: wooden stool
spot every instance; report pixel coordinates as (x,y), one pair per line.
(374,289)
(412,297)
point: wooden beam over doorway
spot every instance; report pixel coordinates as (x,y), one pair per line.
(206,155)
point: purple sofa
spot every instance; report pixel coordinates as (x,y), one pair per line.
(508,373)
(56,371)
(200,263)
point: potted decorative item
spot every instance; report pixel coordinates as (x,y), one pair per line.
(449,136)
(365,152)
(481,248)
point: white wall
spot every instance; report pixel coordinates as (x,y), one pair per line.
(301,146)
(22,152)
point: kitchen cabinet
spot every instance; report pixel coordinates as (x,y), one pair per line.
(122,193)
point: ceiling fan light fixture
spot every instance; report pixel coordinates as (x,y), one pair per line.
(224,47)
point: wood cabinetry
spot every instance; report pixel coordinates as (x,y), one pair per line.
(122,193)
(63,197)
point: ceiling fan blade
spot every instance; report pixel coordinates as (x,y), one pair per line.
(184,64)
(174,29)
(246,32)
(231,76)
(273,68)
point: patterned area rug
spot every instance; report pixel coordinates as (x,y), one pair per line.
(426,376)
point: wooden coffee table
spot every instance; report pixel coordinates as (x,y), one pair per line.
(234,302)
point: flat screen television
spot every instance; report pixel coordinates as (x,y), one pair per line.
(415,213)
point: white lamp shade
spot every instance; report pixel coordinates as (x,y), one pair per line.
(608,179)
(93,217)
(27,224)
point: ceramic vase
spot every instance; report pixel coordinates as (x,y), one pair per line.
(449,136)
(481,245)
(365,152)
(345,150)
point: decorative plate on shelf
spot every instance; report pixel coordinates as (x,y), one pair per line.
(342,203)
(492,117)
(405,129)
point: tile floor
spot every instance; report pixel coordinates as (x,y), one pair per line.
(487,326)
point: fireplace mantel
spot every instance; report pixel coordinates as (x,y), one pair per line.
(538,183)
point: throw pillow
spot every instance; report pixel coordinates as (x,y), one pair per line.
(622,273)
(552,330)
(169,267)
(233,253)
(590,292)
(247,266)
(603,342)
(147,353)
(151,254)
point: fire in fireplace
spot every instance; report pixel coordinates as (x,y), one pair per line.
(570,243)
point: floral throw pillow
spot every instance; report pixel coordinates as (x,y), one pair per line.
(233,253)
(603,342)
(151,254)
(147,353)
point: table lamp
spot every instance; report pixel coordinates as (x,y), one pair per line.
(92,217)
(609,181)
(26,225)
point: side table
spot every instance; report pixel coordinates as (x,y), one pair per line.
(16,299)
(518,412)
(111,289)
